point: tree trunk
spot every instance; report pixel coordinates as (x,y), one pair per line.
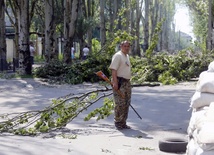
(70,17)
(127,15)
(25,66)
(90,18)
(210,39)
(102,23)
(165,31)
(117,6)
(115,10)
(137,42)
(49,30)
(146,26)
(2,36)
(132,26)
(160,47)
(154,16)
(111,16)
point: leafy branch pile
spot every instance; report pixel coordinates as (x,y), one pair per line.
(78,72)
(169,69)
(62,111)
(164,68)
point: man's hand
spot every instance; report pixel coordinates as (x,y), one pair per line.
(115,85)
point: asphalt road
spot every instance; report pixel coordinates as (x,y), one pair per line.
(164,112)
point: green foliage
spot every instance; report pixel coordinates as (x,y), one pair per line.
(57,115)
(169,69)
(39,58)
(84,71)
(199,18)
(161,67)
(140,70)
(69,136)
(96,46)
(154,41)
(166,78)
(146,148)
(200,45)
(109,49)
(83,24)
(54,68)
(60,57)
(102,112)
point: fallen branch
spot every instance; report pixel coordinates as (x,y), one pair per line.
(61,112)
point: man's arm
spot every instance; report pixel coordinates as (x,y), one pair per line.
(114,79)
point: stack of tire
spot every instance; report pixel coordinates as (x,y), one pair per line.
(201,126)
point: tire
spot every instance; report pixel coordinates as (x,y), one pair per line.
(175,145)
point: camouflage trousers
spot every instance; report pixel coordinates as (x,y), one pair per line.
(121,108)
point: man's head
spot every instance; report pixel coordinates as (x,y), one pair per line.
(31,43)
(125,46)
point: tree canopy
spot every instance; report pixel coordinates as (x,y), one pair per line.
(149,24)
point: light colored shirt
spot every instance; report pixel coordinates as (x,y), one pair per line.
(32,51)
(85,51)
(121,63)
(72,52)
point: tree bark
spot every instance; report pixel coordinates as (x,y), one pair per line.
(111,16)
(102,23)
(49,30)
(137,42)
(210,39)
(89,18)
(70,15)
(127,15)
(146,26)
(3,48)
(25,66)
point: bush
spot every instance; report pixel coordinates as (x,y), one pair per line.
(75,73)
(167,68)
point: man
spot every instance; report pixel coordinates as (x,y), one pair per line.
(85,52)
(121,74)
(32,52)
(72,52)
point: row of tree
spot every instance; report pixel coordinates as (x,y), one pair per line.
(202,17)
(77,20)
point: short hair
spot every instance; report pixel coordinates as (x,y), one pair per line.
(124,42)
